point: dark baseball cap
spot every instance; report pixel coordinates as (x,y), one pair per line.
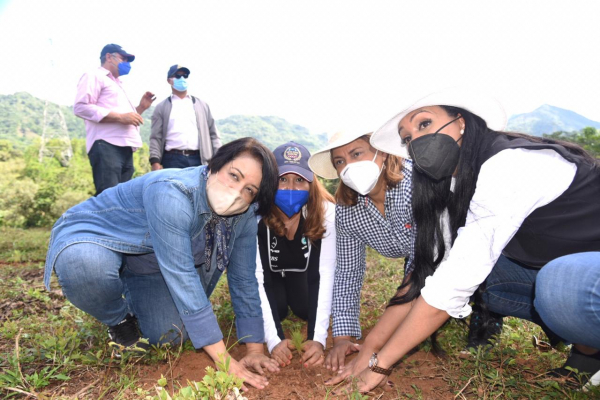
(115,48)
(293,157)
(175,68)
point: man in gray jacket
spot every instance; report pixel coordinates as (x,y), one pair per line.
(183,129)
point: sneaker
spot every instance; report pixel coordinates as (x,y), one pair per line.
(587,366)
(126,336)
(482,329)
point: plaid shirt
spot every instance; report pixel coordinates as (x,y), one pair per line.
(363,225)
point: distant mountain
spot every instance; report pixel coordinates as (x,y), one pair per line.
(22,121)
(272,131)
(548,119)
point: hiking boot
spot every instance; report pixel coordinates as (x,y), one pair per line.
(126,336)
(587,366)
(483,330)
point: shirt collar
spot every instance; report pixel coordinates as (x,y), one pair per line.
(364,200)
(106,72)
(204,208)
(173,96)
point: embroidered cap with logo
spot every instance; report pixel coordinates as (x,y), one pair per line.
(293,157)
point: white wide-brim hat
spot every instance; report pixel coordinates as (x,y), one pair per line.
(320,162)
(486,107)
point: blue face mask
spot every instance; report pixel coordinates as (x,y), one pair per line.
(180,84)
(124,68)
(291,201)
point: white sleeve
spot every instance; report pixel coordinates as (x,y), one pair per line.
(510,186)
(326,274)
(271,337)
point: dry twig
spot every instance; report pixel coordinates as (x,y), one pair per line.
(82,391)
(464,387)
(22,392)
(23,381)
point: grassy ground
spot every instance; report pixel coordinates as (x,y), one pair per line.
(50,349)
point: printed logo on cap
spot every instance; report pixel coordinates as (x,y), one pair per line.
(292,154)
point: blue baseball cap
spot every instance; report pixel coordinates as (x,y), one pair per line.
(293,157)
(174,68)
(115,48)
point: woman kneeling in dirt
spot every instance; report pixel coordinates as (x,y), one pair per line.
(524,219)
(373,209)
(160,213)
(296,257)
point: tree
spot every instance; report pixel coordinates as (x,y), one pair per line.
(588,138)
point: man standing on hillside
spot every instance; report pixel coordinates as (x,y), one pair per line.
(111,120)
(183,129)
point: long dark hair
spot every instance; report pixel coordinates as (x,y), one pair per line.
(431,198)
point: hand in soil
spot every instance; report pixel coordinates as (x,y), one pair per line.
(282,353)
(353,368)
(313,354)
(238,369)
(258,361)
(336,358)
(366,381)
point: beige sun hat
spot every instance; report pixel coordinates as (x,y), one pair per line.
(488,108)
(320,162)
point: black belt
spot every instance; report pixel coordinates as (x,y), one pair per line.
(185,152)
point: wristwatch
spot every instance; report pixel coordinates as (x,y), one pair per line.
(378,370)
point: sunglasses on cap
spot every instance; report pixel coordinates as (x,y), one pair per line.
(177,76)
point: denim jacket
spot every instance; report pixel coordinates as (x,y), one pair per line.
(162,212)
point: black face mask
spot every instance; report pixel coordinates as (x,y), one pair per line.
(435,155)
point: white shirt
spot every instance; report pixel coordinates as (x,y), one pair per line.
(326,274)
(511,185)
(182,131)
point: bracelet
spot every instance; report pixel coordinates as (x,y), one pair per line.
(379,370)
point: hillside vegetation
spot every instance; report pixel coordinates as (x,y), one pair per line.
(35,194)
(22,122)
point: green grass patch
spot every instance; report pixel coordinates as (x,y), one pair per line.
(20,245)
(50,348)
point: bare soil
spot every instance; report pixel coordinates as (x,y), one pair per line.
(420,372)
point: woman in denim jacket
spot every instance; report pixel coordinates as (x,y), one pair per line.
(161,213)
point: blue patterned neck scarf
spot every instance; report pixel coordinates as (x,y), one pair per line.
(217,229)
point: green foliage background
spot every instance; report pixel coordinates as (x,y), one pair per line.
(35,194)
(588,138)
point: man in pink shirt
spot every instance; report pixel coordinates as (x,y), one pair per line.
(111,120)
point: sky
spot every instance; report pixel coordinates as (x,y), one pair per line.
(325,65)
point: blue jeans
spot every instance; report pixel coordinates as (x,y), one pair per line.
(172,160)
(563,297)
(161,214)
(111,164)
(106,288)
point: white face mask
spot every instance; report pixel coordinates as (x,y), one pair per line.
(361,176)
(224,200)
